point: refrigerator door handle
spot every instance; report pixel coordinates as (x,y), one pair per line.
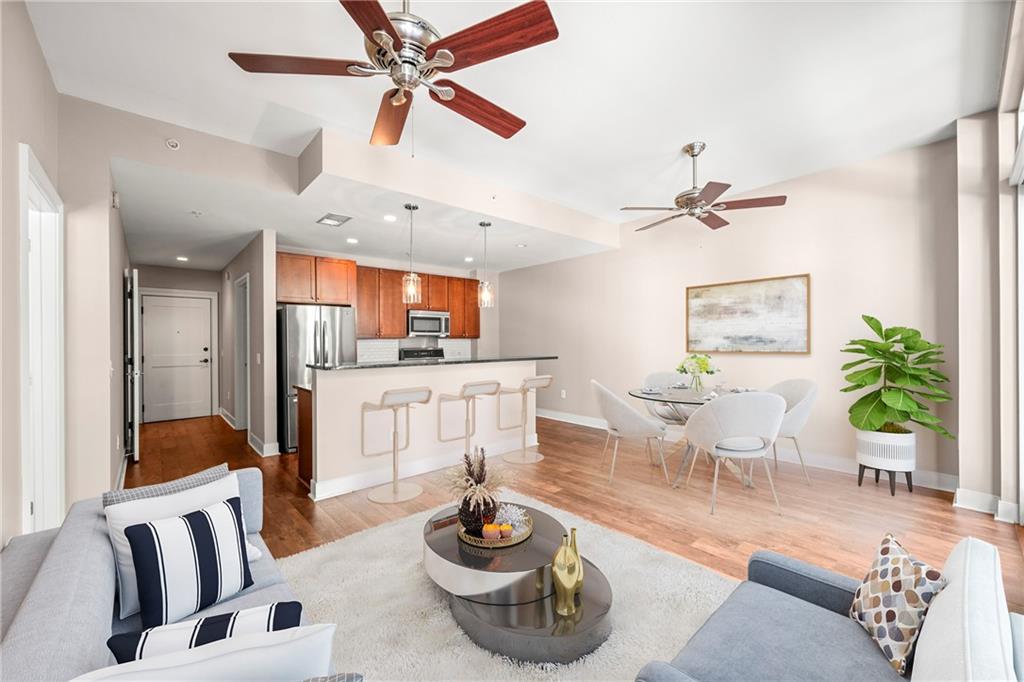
(316,343)
(323,343)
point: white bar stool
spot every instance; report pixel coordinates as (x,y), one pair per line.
(395,400)
(529,384)
(469,393)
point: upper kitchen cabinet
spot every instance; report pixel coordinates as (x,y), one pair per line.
(457,306)
(436,294)
(367,302)
(310,279)
(335,281)
(472,309)
(391,316)
(296,278)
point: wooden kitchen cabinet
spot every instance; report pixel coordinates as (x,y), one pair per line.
(367,302)
(472,309)
(304,423)
(457,306)
(436,294)
(391,312)
(311,279)
(296,278)
(335,281)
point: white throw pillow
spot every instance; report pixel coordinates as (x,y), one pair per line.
(120,516)
(252,551)
(285,655)
(966,631)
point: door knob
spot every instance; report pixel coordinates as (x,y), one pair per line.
(205,349)
(205,360)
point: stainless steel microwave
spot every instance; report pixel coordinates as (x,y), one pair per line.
(429,323)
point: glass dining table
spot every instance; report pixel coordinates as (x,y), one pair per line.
(678,398)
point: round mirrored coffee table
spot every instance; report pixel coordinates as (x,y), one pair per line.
(503,599)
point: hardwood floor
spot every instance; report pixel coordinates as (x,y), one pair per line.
(832,523)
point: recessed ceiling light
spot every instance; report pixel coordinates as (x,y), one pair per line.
(390,218)
(334,219)
(352,240)
(520,246)
(468,259)
(172,144)
(183,259)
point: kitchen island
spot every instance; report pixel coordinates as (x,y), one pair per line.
(352,451)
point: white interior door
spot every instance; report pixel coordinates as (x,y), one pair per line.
(42,347)
(132,364)
(176,343)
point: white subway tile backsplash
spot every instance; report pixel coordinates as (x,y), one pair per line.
(456,349)
(377,350)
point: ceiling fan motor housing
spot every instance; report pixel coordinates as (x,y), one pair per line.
(417,34)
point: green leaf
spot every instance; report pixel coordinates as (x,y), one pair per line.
(925,418)
(851,365)
(865,377)
(937,376)
(891,333)
(869,412)
(898,399)
(939,397)
(898,377)
(937,428)
(875,325)
(850,389)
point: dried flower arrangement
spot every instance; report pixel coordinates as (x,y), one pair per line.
(476,490)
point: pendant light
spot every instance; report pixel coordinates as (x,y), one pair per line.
(411,285)
(485,290)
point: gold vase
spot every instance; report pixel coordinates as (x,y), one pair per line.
(579,562)
(565,568)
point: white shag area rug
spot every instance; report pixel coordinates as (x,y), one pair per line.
(394,622)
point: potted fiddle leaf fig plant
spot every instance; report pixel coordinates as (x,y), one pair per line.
(899,369)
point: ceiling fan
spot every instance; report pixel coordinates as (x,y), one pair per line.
(411,52)
(700,203)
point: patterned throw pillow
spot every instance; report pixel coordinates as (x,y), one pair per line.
(184,564)
(169,639)
(891,602)
(169,488)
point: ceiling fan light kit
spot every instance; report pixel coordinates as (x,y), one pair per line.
(486,298)
(701,203)
(412,286)
(411,52)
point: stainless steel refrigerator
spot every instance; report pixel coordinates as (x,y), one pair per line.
(319,335)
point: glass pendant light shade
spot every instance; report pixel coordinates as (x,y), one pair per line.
(486,297)
(412,286)
(485,294)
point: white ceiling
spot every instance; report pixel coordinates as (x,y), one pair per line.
(778,90)
(157,204)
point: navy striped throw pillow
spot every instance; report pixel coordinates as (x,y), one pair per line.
(184,564)
(169,639)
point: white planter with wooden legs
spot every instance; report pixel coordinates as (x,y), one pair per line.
(889,452)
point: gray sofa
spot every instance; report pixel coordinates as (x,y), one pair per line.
(789,621)
(57,591)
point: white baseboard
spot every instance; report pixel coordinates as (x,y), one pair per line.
(121,473)
(1008,512)
(321,490)
(228,417)
(847,465)
(262,449)
(976,501)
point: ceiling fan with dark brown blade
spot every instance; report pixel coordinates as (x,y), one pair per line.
(700,203)
(411,52)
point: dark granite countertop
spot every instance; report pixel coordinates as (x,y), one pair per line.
(432,361)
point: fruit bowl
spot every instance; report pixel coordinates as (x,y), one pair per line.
(486,543)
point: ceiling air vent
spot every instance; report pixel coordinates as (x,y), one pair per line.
(334,219)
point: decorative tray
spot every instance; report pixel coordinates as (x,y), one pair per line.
(497,543)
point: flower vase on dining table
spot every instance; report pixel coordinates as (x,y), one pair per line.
(696,383)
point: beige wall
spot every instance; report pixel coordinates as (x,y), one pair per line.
(118,264)
(258,260)
(189,279)
(878,237)
(90,136)
(29,105)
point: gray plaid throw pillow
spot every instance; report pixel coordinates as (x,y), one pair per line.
(160,489)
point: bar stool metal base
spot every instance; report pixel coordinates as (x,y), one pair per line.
(393,493)
(531,456)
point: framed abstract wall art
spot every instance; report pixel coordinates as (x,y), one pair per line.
(771,315)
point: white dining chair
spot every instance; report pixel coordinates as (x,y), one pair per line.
(738,426)
(625,421)
(800,395)
(673,415)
